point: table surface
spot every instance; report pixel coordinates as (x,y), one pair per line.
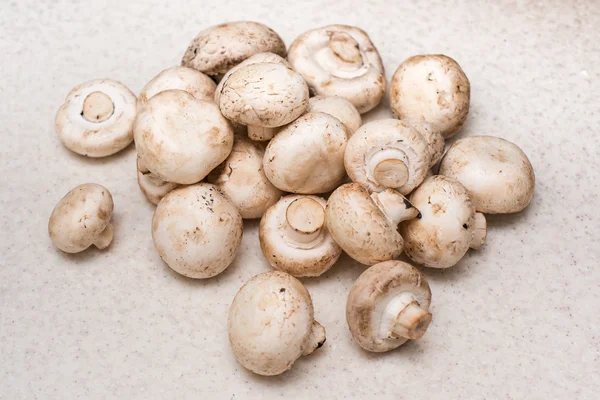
(516,319)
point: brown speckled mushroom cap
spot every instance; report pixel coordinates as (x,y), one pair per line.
(434,139)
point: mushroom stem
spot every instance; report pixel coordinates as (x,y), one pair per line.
(305,218)
(480,232)
(97,107)
(315,339)
(106,237)
(404,318)
(388,167)
(261,134)
(345,47)
(396,207)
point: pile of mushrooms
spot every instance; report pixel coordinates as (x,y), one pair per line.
(239,131)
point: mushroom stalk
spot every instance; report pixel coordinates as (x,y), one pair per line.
(315,339)
(105,238)
(396,207)
(305,218)
(388,167)
(261,134)
(404,317)
(97,107)
(480,232)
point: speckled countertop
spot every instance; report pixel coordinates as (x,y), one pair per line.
(517,319)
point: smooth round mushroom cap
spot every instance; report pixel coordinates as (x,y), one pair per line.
(340,60)
(81,217)
(181,78)
(434,139)
(219,48)
(294,238)
(181,139)
(97,118)
(387,153)
(271,323)
(372,292)
(243,181)
(307,156)
(264,94)
(496,172)
(339,108)
(443,234)
(197,230)
(153,187)
(433,88)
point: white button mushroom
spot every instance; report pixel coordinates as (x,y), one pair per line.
(219,48)
(337,107)
(271,323)
(197,230)
(307,156)
(82,218)
(387,153)
(448,225)
(366,226)
(340,60)
(388,305)
(294,239)
(152,186)
(181,139)
(434,139)
(242,179)
(433,88)
(496,172)
(97,118)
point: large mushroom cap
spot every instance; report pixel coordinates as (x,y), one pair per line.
(307,156)
(337,107)
(153,187)
(388,305)
(496,172)
(433,88)
(294,239)
(340,60)
(181,139)
(97,118)
(217,49)
(82,218)
(197,230)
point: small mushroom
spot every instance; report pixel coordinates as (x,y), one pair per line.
(366,226)
(434,88)
(434,139)
(179,138)
(496,172)
(271,323)
(97,118)
(388,305)
(152,186)
(197,230)
(294,239)
(337,107)
(387,153)
(187,79)
(82,218)
(219,48)
(340,60)
(448,225)
(243,181)
(307,156)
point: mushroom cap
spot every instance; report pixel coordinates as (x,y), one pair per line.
(337,107)
(307,156)
(340,60)
(360,227)
(242,179)
(153,187)
(217,49)
(496,172)
(80,217)
(442,236)
(382,135)
(197,230)
(434,88)
(181,139)
(313,260)
(370,295)
(263,94)
(181,78)
(97,118)
(269,322)
(434,139)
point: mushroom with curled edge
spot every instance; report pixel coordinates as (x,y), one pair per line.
(366,225)
(337,107)
(448,226)
(153,187)
(97,118)
(340,60)
(388,305)
(294,239)
(271,323)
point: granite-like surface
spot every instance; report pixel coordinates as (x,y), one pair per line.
(517,319)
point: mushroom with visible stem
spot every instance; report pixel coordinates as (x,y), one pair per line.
(337,107)
(388,305)
(97,118)
(294,239)
(152,186)
(271,323)
(82,218)
(366,225)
